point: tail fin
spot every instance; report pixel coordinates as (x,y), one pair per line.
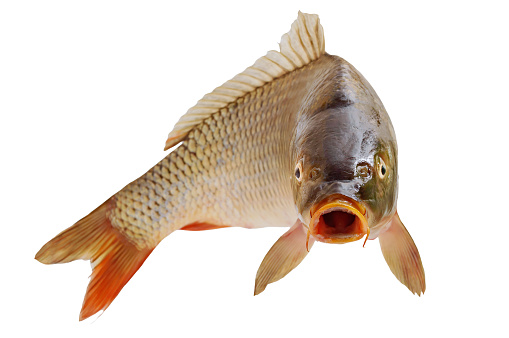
(114,259)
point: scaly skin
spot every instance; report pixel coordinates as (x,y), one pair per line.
(233,169)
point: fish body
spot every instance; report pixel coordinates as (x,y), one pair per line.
(298,140)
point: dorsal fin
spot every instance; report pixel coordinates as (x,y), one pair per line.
(301,45)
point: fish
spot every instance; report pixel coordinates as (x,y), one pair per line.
(300,139)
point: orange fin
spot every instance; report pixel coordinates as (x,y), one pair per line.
(114,259)
(289,250)
(197,226)
(402,256)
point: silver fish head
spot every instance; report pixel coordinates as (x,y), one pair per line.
(345,178)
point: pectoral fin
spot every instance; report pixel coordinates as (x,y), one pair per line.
(402,256)
(289,250)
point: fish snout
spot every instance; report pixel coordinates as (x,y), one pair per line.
(338,219)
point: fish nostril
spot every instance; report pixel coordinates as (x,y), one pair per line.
(364,169)
(314,173)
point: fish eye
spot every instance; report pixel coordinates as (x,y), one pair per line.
(298,171)
(382,169)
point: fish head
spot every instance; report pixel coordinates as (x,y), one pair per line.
(344,158)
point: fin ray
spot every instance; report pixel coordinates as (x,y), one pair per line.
(113,258)
(199,226)
(284,256)
(402,256)
(301,45)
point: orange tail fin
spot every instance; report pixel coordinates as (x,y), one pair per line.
(114,259)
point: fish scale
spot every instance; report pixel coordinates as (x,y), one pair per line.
(229,171)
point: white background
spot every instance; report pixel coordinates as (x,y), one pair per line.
(89,91)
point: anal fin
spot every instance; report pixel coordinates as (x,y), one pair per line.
(289,250)
(402,256)
(201,226)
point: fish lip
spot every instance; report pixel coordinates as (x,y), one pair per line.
(338,227)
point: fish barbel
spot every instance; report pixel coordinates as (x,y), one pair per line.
(300,139)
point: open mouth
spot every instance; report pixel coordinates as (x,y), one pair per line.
(338,219)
